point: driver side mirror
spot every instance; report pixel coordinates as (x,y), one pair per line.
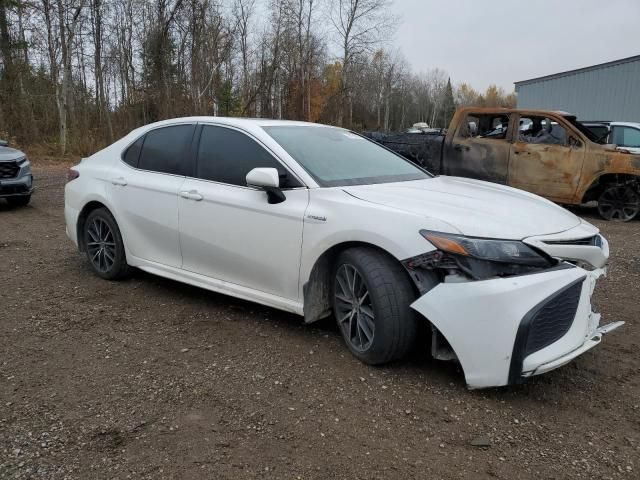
(4,143)
(269,180)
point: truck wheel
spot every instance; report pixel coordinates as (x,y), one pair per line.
(19,201)
(371,298)
(104,246)
(619,203)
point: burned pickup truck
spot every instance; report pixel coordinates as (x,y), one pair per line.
(547,153)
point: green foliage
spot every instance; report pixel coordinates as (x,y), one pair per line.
(228,101)
(448,106)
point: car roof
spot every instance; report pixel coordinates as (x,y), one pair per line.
(236,121)
(626,124)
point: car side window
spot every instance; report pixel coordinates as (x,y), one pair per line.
(132,154)
(164,148)
(492,126)
(626,137)
(226,155)
(541,130)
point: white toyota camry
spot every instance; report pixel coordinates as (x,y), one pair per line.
(317,220)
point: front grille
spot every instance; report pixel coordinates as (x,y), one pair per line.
(553,319)
(9,169)
(589,241)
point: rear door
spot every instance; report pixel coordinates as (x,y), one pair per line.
(144,190)
(480,148)
(228,230)
(546,158)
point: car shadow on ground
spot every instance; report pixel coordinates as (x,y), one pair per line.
(5,207)
(419,363)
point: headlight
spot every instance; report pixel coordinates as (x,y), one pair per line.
(22,161)
(505,251)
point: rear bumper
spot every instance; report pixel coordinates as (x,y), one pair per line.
(507,329)
(71,221)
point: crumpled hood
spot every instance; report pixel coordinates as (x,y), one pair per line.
(472,207)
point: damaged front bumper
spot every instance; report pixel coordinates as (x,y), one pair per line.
(504,330)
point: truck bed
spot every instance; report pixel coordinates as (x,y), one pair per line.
(424,149)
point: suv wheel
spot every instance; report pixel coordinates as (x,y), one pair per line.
(371,298)
(619,203)
(104,246)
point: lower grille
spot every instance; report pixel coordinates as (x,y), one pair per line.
(9,169)
(553,319)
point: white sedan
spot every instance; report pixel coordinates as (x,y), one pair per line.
(318,220)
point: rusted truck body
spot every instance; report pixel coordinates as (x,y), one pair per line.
(547,153)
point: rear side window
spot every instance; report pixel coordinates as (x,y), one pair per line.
(164,149)
(541,130)
(494,126)
(132,154)
(226,155)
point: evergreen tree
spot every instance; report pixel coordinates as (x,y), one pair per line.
(448,106)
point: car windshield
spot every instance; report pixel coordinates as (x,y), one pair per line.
(337,157)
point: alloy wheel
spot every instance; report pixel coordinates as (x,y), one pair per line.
(619,203)
(101,245)
(354,310)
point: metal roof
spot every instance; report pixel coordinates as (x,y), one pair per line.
(579,70)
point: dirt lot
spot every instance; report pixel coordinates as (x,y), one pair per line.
(148,378)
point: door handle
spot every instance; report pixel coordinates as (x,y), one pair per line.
(191,195)
(119,181)
(460,147)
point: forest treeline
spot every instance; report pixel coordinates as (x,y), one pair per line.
(78,74)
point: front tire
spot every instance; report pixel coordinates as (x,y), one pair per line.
(619,203)
(104,246)
(371,298)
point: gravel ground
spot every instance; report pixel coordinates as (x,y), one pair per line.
(148,378)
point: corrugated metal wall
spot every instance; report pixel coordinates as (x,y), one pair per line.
(610,92)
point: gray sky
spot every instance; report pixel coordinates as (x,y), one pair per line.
(484,42)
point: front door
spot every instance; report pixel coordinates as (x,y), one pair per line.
(480,148)
(546,158)
(228,230)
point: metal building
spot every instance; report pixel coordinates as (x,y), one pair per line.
(609,91)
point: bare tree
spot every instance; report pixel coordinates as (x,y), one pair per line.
(360,25)
(82,72)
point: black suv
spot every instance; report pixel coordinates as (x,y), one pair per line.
(16,180)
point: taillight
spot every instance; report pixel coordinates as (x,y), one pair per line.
(72,174)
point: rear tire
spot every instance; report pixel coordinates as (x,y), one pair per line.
(371,298)
(19,201)
(104,246)
(619,203)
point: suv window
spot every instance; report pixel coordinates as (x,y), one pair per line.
(493,126)
(541,130)
(626,136)
(164,148)
(226,155)
(132,154)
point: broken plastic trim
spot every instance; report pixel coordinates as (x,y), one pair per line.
(443,264)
